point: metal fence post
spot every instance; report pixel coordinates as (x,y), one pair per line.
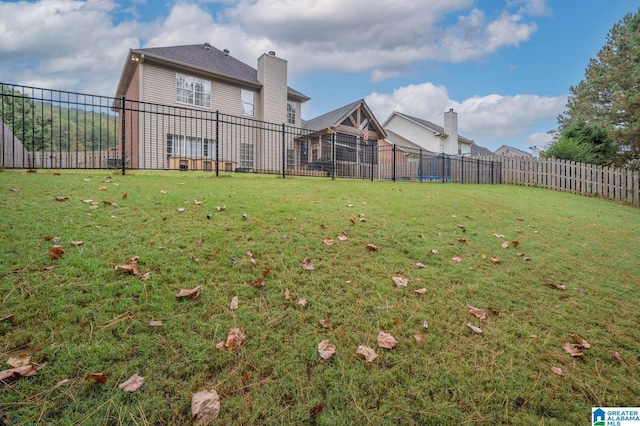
(333,155)
(284,152)
(478,169)
(393,164)
(217,143)
(492,171)
(124,132)
(462,170)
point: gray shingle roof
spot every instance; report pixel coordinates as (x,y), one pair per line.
(212,60)
(329,119)
(431,125)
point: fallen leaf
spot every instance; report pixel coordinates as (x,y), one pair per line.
(56,252)
(146,276)
(254,263)
(20,360)
(419,338)
(425,324)
(244,216)
(307,264)
(18,372)
(520,254)
(328,241)
(400,281)
(258,282)
(353,222)
(515,244)
(473,328)
(498,235)
(287,294)
(349,205)
(505,245)
(316,410)
(494,311)
(420,291)
(97,377)
(87,201)
(558,371)
(419,265)
(495,259)
(190,293)
(302,302)
(618,357)
(163,192)
(131,266)
(61,198)
(434,251)
(265,272)
(557,286)
(125,195)
(326,350)
(386,340)
(62,383)
(342,238)
(324,323)
(457,259)
(234,303)
(579,340)
(14,190)
(478,313)
(180,209)
(573,349)
(372,247)
(462,240)
(205,406)
(132,384)
(103,188)
(108,203)
(368,353)
(8,317)
(77,243)
(156,323)
(196,202)
(235,337)
(221,208)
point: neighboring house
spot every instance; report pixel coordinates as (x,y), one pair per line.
(203,78)
(480,150)
(346,138)
(510,151)
(417,133)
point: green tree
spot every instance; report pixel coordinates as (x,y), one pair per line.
(570,149)
(586,143)
(610,94)
(26,121)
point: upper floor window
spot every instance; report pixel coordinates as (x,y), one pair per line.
(193,91)
(291,113)
(247,102)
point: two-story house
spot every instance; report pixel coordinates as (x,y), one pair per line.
(196,82)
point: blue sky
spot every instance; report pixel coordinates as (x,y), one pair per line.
(505,66)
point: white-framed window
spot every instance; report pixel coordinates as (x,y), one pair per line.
(246,155)
(291,112)
(193,91)
(247,97)
(190,147)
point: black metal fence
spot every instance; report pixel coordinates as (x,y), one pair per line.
(44,128)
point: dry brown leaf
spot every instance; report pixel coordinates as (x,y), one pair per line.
(234,303)
(302,302)
(77,243)
(61,198)
(180,209)
(579,340)
(434,251)
(205,406)
(245,216)
(494,311)
(265,272)
(368,353)
(462,240)
(235,337)
(473,328)
(520,254)
(125,195)
(132,384)
(221,208)
(619,358)
(326,350)
(328,241)
(287,294)
(420,291)
(103,188)
(478,313)
(254,263)
(87,201)
(131,266)
(156,323)
(505,245)
(342,238)
(146,276)
(515,244)
(307,264)
(258,282)
(372,247)
(62,383)
(400,281)
(18,372)
(8,317)
(573,349)
(498,235)
(97,377)
(20,360)
(192,293)
(419,265)
(56,252)
(196,202)
(324,323)
(457,259)
(386,340)
(495,259)
(419,338)
(425,324)
(558,371)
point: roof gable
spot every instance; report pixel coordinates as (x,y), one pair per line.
(340,115)
(424,123)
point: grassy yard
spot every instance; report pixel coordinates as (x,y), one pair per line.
(78,315)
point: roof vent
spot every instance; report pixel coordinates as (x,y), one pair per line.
(225,52)
(272,53)
(207,47)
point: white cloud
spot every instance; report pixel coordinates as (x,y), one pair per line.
(488,118)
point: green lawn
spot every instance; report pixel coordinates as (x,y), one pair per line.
(83,316)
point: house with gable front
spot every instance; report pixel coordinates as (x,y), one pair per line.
(416,133)
(196,82)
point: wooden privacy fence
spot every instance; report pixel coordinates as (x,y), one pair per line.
(578,178)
